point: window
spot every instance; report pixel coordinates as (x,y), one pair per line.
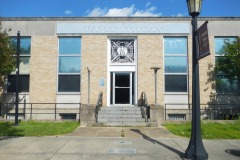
(68,115)
(69,64)
(23,83)
(177,117)
(24,59)
(224,83)
(176,83)
(175,64)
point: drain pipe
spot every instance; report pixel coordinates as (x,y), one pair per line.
(155,75)
(88,84)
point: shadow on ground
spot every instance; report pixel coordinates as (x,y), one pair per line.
(181,154)
(234,152)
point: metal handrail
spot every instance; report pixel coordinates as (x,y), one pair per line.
(98,105)
(145,109)
(213,111)
(29,109)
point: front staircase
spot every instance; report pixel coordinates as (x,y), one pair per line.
(121,116)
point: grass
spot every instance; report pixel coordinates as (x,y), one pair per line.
(34,128)
(210,130)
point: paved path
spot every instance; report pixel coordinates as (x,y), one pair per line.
(127,132)
(107,144)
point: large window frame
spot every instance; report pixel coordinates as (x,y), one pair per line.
(24,65)
(230,84)
(69,72)
(174,66)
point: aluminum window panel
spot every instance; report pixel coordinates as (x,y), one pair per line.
(69,83)
(69,45)
(175,45)
(176,83)
(225,84)
(23,83)
(175,64)
(69,65)
(220,43)
(25,45)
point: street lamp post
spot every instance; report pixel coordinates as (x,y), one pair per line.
(195,148)
(17,80)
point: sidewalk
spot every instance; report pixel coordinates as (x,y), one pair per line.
(107,144)
(127,132)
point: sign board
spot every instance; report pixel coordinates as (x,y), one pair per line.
(204,49)
(101,82)
(122,27)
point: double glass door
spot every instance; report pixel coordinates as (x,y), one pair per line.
(122,88)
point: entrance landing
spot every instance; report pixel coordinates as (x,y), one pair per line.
(127,132)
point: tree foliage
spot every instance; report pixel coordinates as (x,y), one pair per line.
(7,61)
(229,63)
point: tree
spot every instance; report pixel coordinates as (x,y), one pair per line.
(7,61)
(229,62)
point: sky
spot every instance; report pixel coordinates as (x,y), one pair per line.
(114,8)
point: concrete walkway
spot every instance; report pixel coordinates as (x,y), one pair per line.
(108,144)
(127,132)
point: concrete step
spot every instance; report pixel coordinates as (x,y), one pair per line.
(121,120)
(125,124)
(120,109)
(121,116)
(119,112)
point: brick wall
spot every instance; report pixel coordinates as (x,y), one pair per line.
(94,56)
(150,54)
(206,74)
(43,69)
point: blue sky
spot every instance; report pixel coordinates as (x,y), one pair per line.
(97,8)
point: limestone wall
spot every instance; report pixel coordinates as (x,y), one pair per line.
(94,56)
(43,69)
(150,54)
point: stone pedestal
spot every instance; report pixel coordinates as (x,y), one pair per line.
(157,114)
(87,114)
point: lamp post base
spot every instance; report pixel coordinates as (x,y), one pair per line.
(196,151)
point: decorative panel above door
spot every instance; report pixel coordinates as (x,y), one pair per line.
(122,51)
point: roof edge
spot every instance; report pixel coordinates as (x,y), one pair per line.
(113,18)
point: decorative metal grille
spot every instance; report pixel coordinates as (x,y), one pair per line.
(122,51)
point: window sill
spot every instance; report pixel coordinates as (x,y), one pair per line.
(68,93)
(21,93)
(122,64)
(228,94)
(175,93)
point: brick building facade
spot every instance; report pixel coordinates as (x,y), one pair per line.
(71,60)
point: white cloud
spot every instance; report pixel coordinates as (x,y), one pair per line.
(147,13)
(181,14)
(96,12)
(148,4)
(68,12)
(120,12)
(131,11)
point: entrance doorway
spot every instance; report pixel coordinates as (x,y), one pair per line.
(122,88)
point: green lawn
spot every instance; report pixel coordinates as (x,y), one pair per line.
(210,130)
(34,128)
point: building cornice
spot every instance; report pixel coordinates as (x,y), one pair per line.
(117,18)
